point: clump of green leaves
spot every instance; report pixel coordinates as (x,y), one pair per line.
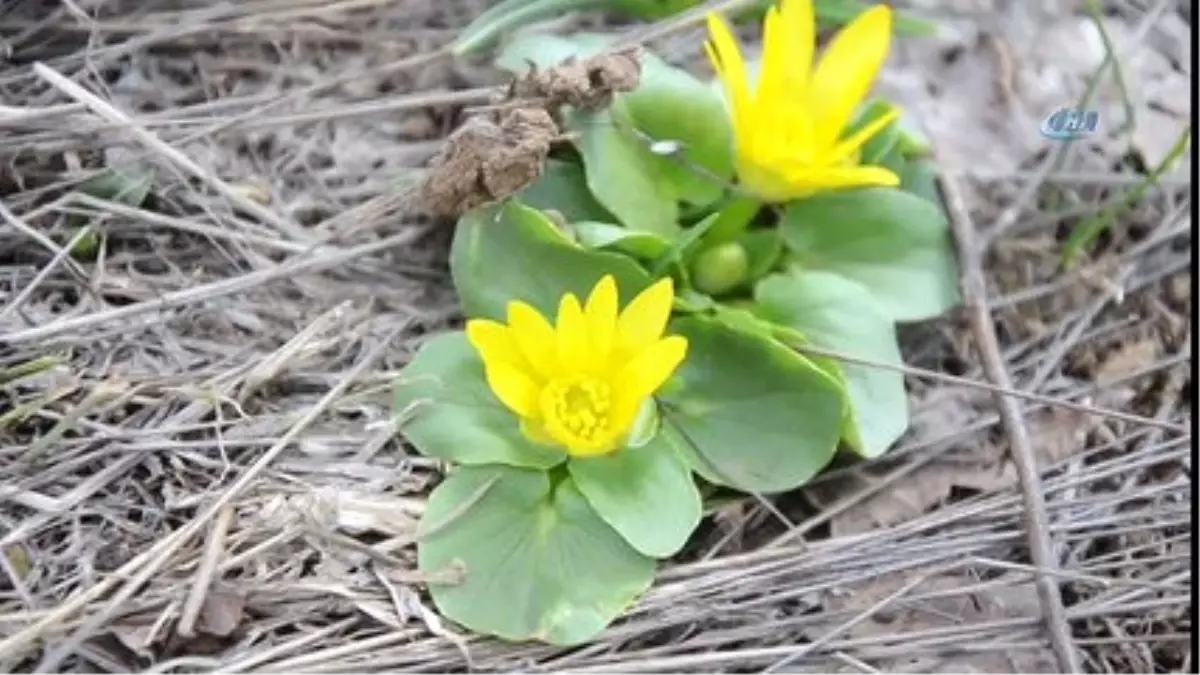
(554,550)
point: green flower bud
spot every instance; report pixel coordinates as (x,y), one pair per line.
(721,269)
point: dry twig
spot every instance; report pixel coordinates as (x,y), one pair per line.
(974,291)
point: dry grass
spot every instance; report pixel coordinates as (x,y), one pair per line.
(200,468)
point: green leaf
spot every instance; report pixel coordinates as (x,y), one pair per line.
(874,150)
(839,315)
(546,51)
(608,237)
(690,301)
(512,252)
(563,188)
(741,315)
(842,12)
(536,560)
(114,185)
(733,219)
(119,186)
(764,248)
(684,246)
(919,177)
(653,9)
(1087,231)
(893,242)
(454,416)
(895,161)
(754,414)
(508,15)
(913,143)
(673,105)
(645,493)
(670,104)
(622,173)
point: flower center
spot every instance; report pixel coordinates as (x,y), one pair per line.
(579,409)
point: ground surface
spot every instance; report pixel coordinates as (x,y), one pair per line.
(199,466)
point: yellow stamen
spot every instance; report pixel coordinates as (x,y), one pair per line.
(578,382)
(578,409)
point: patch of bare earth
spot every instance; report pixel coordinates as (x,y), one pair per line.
(200,466)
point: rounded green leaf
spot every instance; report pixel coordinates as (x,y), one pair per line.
(450,413)
(535,560)
(670,104)
(673,105)
(837,314)
(641,187)
(623,174)
(646,493)
(753,413)
(512,252)
(605,236)
(894,243)
(563,188)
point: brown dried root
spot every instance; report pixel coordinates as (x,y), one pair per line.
(589,84)
(500,150)
(483,161)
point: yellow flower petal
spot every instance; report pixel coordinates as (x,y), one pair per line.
(798,33)
(849,146)
(645,319)
(600,312)
(726,58)
(513,387)
(800,29)
(771,91)
(643,375)
(494,342)
(572,336)
(847,69)
(765,181)
(503,365)
(808,181)
(534,337)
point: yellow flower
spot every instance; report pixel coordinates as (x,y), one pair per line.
(581,383)
(789,131)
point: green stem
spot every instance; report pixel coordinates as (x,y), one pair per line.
(1087,231)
